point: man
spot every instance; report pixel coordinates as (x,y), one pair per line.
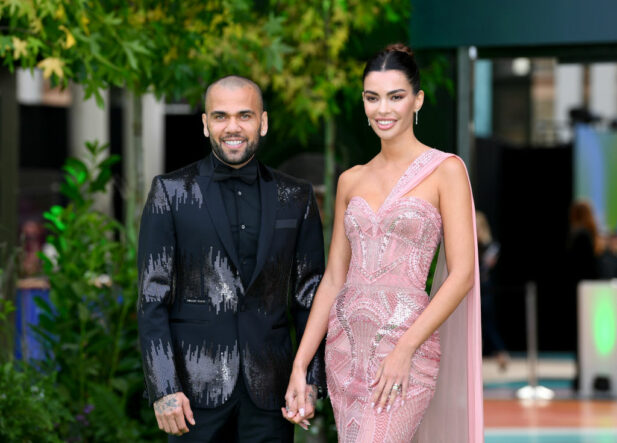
(227,248)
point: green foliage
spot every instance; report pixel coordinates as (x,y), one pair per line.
(6,328)
(8,262)
(170,47)
(29,409)
(321,71)
(88,330)
(309,53)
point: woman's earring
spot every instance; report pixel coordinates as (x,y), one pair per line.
(417,112)
(369,121)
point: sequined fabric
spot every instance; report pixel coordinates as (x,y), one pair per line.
(200,326)
(209,370)
(384,294)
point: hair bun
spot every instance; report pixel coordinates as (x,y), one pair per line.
(400,47)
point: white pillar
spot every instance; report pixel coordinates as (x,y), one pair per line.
(29,86)
(603,90)
(88,122)
(153,138)
(568,95)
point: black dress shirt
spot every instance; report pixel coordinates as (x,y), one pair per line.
(243,207)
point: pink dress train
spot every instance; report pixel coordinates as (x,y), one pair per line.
(384,293)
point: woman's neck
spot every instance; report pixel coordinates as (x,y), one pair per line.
(401,149)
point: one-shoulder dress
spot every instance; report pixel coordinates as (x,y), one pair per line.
(391,252)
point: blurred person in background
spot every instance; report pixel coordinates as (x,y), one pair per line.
(582,250)
(607,260)
(488,255)
(32,238)
(583,243)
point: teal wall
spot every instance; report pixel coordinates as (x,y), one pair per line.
(452,23)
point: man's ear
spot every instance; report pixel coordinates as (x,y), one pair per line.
(204,119)
(264,124)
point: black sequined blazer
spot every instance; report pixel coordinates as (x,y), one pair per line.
(199,328)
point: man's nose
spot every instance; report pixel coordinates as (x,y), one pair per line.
(233,125)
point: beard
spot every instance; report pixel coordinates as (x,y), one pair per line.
(251,148)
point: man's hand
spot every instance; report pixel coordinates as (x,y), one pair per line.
(300,405)
(311,399)
(170,412)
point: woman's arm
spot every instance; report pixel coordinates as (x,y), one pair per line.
(455,206)
(317,324)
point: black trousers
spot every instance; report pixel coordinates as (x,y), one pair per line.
(237,421)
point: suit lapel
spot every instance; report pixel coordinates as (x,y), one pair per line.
(214,203)
(268,195)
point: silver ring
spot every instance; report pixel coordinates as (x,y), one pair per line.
(396,387)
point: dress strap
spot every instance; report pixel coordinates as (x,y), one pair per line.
(422,168)
(458,396)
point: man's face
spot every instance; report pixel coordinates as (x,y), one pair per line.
(234,121)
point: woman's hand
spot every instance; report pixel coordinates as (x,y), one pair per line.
(299,400)
(392,379)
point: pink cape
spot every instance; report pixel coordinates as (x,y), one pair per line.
(455,414)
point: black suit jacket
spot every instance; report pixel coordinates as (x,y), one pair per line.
(199,328)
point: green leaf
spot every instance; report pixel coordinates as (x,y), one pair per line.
(83,312)
(120,384)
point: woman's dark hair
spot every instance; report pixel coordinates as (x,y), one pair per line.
(397,57)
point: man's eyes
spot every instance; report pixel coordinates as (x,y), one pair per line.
(222,117)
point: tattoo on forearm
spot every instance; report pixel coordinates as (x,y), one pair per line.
(165,405)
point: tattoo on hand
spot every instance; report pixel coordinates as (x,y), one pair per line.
(312,394)
(165,405)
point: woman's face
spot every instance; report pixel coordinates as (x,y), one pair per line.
(389,103)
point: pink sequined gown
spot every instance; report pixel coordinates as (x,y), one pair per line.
(392,250)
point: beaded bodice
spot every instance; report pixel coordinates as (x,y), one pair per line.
(395,245)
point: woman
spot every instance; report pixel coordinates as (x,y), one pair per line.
(383,348)
(582,264)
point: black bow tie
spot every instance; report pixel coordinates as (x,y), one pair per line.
(248,174)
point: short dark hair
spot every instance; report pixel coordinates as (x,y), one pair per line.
(398,57)
(235,81)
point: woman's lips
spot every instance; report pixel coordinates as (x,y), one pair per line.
(385,124)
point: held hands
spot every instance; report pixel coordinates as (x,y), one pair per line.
(299,400)
(391,380)
(170,412)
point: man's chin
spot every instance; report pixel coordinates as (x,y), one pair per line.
(235,159)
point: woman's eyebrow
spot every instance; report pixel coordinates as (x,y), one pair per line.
(396,91)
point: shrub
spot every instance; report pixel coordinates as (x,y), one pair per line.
(88,329)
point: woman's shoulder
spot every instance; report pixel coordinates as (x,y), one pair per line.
(352,175)
(452,167)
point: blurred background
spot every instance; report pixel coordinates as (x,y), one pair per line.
(96,98)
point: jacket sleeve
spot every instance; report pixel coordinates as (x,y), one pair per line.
(308,268)
(155,260)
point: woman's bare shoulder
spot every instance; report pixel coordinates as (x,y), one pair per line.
(352,175)
(351,178)
(452,171)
